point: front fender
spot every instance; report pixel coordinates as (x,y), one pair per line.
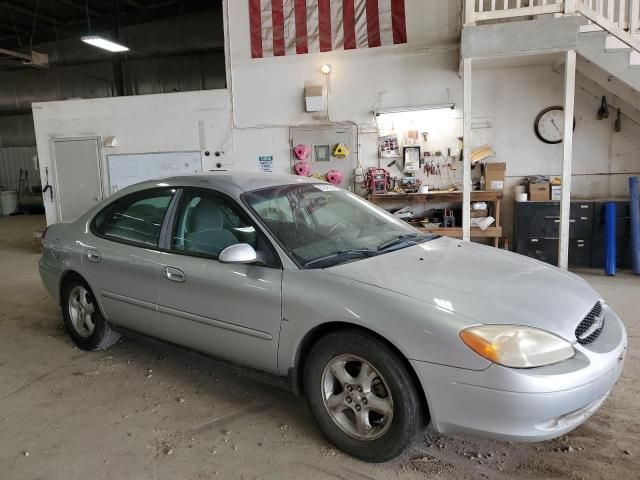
(420,331)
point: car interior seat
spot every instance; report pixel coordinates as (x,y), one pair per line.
(205,229)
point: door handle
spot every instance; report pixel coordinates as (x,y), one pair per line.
(173,274)
(93,256)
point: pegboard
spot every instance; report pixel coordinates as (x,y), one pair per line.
(318,136)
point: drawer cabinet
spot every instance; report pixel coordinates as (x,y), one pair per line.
(537,229)
(542,219)
(540,248)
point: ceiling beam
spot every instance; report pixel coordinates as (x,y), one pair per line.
(82,8)
(135,3)
(14,54)
(13,29)
(162,4)
(26,11)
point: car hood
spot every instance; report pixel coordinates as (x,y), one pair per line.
(483,284)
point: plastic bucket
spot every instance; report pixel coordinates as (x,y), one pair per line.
(8,202)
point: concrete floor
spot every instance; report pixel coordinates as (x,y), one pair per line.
(144,411)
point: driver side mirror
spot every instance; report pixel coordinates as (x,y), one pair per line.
(238,253)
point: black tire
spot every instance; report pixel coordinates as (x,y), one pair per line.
(102,336)
(409,413)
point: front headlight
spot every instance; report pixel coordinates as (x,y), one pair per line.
(517,346)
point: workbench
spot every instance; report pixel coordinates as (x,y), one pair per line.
(494,197)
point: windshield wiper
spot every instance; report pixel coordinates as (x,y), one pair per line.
(401,239)
(339,257)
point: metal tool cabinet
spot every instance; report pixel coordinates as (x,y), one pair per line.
(537,227)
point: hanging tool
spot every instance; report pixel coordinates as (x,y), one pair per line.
(603,112)
(48,186)
(618,125)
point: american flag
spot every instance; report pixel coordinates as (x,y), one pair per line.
(289,27)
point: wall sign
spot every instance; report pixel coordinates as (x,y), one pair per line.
(266,163)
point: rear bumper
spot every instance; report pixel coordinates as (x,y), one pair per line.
(51,279)
(524,405)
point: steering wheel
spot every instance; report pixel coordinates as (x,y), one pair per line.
(338,225)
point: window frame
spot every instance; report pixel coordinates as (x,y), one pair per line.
(173,216)
(143,194)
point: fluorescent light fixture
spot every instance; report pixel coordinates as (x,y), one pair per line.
(421,108)
(105,44)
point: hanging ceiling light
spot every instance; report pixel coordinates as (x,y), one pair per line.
(100,42)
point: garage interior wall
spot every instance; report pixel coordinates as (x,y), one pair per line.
(423,72)
(188,121)
(267,98)
(603,160)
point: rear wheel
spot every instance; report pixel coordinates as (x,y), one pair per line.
(363,397)
(85,323)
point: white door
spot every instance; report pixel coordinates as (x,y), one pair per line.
(78,176)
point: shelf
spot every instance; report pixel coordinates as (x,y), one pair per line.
(424,199)
(491,232)
(476,196)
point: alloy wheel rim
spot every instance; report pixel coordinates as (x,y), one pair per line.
(81,311)
(357,397)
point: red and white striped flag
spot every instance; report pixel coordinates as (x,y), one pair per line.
(289,27)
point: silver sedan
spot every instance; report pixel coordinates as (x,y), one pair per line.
(383,328)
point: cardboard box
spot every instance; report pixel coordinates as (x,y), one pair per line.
(556,192)
(494,175)
(479,213)
(538,192)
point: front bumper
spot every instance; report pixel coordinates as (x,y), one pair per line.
(525,405)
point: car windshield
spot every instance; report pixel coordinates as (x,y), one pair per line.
(320,225)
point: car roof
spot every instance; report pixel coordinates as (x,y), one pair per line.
(233,183)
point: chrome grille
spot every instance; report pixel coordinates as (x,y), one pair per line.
(591,327)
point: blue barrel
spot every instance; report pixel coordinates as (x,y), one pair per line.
(610,254)
(634,192)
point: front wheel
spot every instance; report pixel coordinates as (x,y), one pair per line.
(85,323)
(362,396)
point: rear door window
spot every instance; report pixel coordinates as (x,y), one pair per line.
(136,218)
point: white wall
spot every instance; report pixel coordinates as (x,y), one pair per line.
(269,91)
(149,123)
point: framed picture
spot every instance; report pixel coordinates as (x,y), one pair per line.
(322,153)
(411,158)
(389,146)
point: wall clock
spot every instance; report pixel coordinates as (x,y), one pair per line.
(549,125)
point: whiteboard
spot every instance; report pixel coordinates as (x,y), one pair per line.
(128,169)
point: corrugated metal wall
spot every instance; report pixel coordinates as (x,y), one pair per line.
(12,159)
(180,54)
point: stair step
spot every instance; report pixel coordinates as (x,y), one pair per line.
(590,28)
(613,44)
(634,59)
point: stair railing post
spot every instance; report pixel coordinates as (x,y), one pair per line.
(470,12)
(569,7)
(634,13)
